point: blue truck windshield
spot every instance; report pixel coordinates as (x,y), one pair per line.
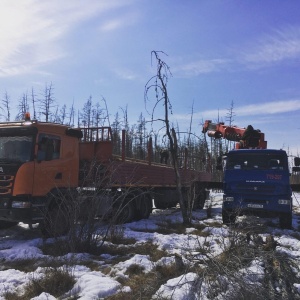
(256,161)
(16,148)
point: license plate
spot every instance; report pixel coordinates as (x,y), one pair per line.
(255,206)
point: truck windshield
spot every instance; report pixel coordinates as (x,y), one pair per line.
(16,148)
(256,162)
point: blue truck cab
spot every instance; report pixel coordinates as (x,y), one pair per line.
(256,181)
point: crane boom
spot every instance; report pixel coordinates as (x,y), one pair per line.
(235,134)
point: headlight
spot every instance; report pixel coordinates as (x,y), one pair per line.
(20,204)
(283,201)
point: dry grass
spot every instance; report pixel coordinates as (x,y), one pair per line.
(116,235)
(150,249)
(168,227)
(242,244)
(24,265)
(144,285)
(55,281)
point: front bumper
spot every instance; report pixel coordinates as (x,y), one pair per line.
(259,205)
(21,210)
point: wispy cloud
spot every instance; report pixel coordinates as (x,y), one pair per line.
(125,73)
(111,24)
(33,31)
(279,45)
(197,67)
(257,110)
(269,108)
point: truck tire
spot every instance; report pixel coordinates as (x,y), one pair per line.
(159,204)
(165,198)
(144,207)
(127,212)
(7,224)
(56,222)
(200,199)
(228,217)
(285,220)
(197,194)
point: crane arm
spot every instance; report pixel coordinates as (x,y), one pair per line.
(233,133)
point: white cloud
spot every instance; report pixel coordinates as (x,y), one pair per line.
(273,48)
(119,22)
(125,74)
(198,67)
(111,25)
(280,45)
(263,109)
(33,31)
(269,108)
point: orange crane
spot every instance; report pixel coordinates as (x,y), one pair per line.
(235,134)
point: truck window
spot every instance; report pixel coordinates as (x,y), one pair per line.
(48,147)
(16,148)
(256,162)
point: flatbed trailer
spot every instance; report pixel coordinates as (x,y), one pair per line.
(43,165)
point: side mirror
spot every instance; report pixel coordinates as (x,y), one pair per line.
(296,169)
(297,161)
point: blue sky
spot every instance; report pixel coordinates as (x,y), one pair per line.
(219,52)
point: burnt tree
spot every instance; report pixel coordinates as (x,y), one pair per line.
(158,83)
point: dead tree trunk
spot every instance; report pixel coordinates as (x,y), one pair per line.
(159,84)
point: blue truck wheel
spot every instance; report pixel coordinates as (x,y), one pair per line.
(228,217)
(285,220)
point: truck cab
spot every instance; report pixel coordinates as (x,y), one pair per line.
(36,158)
(256,181)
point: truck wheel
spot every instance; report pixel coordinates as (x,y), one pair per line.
(165,198)
(159,205)
(56,222)
(228,217)
(127,212)
(285,220)
(144,207)
(163,205)
(200,199)
(7,224)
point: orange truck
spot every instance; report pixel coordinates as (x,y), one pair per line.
(42,164)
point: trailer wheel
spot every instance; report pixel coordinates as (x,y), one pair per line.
(7,224)
(200,199)
(127,212)
(228,217)
(196,194)
(165,198)
(56,222)
(144,207)
(160,205)
(285,220)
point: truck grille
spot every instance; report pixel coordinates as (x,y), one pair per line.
(262,189)
(256,201)
(6,183)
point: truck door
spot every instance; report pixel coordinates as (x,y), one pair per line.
(49,170)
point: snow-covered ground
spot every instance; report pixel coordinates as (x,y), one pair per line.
(21,242)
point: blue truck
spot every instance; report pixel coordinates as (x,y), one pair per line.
(256,180)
